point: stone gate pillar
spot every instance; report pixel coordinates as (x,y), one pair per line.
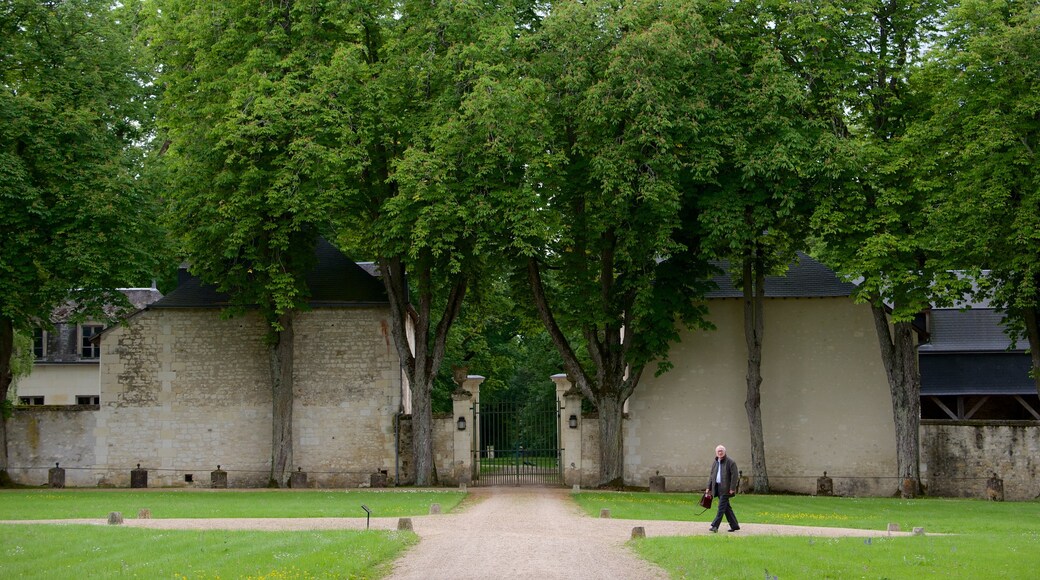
(464,427)
(467,439)
(569,398)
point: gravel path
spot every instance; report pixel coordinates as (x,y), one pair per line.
(535,533)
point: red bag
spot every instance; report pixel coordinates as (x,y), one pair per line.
(706,501)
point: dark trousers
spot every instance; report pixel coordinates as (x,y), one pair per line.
(724,510)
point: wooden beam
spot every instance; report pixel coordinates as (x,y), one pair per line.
(1028,406)
(981,402)
(943,407)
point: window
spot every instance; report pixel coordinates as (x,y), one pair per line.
(39,343)
(30,400)
(88,348)
(88,400)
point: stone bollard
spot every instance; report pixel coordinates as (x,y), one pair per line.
(893,527)
(435,509)
(56,476)
(462,487)
(218,479)
(995,488)
(824,485)
(638,532)
(604,513)
(404,524)
(918,531)
(298,479)
(377,479)
(576,488)
(115,518)
(138,477)
(144,514)
(657,483)
(744,483)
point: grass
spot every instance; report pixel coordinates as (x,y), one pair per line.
(81,551)
(986,539)
(53,551)
(46,504)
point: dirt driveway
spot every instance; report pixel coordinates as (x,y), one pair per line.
(522,533)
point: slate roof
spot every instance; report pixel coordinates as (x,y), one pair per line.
(806,278)
(974,330)
(968,354)
(139,298)
(335,281)
(992,373)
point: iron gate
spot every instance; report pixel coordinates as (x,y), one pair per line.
(518,443)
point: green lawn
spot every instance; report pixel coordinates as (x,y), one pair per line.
(54,551)
(45,504)
(984,539)
(84,551)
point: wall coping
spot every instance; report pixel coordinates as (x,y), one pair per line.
(978,423)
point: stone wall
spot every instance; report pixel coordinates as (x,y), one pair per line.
(39,437)
(958,458)
(825,401)
(443,450)
(183,391)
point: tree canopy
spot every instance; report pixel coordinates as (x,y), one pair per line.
(980,134)
(76,222)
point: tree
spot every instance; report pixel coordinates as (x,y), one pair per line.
(418,132)
(981,133)
(75,222)
(628,132)
(875,225)
(756,214)
(235,116)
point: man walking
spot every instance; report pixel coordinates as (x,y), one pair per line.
(722,483)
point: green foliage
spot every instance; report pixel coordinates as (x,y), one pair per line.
(75,222)
(763,194)
(981,133)
(625,131)
(22,359)
(876,224)
(235,117)
(45,551)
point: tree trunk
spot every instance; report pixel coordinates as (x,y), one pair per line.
(754,325)
(6,378)
(613,383)
(1032,320)
(422,426)
(904,382)
(280,357)
(611,441)
(421,365)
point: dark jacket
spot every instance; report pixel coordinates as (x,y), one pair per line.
(730,475)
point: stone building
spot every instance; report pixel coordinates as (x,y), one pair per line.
(67,355)
(184,389)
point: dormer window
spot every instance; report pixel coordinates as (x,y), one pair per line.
(89,349)
(39,343)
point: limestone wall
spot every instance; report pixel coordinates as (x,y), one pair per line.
(825,401)
(958,458)
(183,391)
(39,437)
